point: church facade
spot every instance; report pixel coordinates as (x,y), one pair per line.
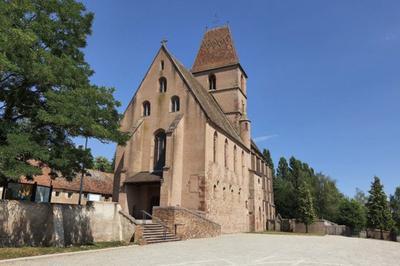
(191,141)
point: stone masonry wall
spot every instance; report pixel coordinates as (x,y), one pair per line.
(188,224)
(45,224)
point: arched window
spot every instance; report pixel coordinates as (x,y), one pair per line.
(163,84)
(226,153)
(212,81)
(146,108)
(175,105)
(234,159)
(215,147)
(159,150)
(243,164)
(162,64)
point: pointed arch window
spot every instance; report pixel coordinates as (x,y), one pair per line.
(226,153)
(163,84)
(215,140)
(234,159)
(243,164)
(146,108)
(212,82)
(159,150)
(175,104)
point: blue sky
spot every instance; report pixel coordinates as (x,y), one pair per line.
(324,76)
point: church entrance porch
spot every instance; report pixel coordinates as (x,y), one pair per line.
(143,193)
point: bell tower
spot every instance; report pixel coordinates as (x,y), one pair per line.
(218,69)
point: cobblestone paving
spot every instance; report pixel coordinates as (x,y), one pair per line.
(240,249)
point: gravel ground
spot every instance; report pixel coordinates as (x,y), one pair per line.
(239,249)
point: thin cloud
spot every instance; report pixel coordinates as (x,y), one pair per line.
(265,137)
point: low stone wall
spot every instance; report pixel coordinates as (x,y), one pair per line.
(186,223)
(45,224)
(377,234)
(322,227)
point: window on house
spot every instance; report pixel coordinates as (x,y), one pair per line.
(146,108)
(212,81)
(162,64)
(226,153)
(159,150)
(57,193)
(163,84)
(215,147)
(69,194)
(175,105)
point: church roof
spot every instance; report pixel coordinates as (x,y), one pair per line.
(206,100)
(216,50)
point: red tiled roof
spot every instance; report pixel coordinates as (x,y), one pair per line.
(216,50)
(98,182)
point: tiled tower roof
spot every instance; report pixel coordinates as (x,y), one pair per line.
(216,50)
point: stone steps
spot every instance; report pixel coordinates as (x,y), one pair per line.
(154,233)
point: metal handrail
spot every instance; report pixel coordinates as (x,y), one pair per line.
(158,221)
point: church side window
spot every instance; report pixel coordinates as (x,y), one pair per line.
(159,150)
(146,108)
(162,64)
(163,84)
(215,146)
(234,159)
(226,153)
(212,81)
(175,105)
(243,165)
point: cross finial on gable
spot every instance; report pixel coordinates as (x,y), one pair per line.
(164,42)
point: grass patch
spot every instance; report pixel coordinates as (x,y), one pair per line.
(287,233)
(10,253)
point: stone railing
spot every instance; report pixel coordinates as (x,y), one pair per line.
(186,223)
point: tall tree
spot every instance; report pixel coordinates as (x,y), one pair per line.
(305,207)
(270,162)
(378,216)
(283,191)
(284,201)
(327,197)
(101,163)
(46,98)
(352,213)
(283,169)
(395,207)
(361,197)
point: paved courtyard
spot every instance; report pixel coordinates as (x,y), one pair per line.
(240,249)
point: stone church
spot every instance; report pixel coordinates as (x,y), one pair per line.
(191,143)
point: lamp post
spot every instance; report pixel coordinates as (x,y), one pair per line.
(83,170)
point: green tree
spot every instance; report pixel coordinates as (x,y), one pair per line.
(352,214)
(270,162)
(284,190)
(284,201)
(378,212)
(102,164)
(305,207)
(327,197)
(283,169)
(395,207)
(46,98)
(361,197)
